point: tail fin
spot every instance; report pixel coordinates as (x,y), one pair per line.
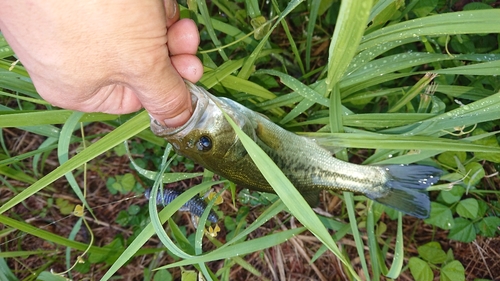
(407,188)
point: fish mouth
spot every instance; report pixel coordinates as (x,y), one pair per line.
(200,102)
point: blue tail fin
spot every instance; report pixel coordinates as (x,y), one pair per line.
(407,188)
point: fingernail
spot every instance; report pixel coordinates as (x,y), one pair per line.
(171,6)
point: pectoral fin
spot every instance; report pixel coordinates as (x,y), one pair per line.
(311,197)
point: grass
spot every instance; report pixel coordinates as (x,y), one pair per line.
(366,92)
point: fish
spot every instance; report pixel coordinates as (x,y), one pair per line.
(195,205)
(208,139)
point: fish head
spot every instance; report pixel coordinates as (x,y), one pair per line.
(207,138)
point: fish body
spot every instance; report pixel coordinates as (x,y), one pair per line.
(209,140)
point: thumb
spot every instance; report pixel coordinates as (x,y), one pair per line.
(163,93)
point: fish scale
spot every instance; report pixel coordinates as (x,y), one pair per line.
(209,140)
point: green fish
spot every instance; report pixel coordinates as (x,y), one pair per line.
(209,140)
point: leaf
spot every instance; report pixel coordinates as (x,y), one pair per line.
(489,226)
(420,270)
(453,271)
(163,275)
(424,7)
(463,231)
(452,195)
(448,158)
(489,141)
(468,208)
(127,182)
(432,252)
(475,173)
(65,207)
(441,216)
(350,26)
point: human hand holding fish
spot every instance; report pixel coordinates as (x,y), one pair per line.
(106,56)
(209,140)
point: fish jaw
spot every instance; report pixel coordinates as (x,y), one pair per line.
(226,156)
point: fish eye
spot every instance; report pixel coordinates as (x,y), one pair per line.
(204,143)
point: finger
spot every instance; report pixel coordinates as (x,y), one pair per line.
(161,89)
(112,99)
(183,37)
(188,66)
(173,108)
(171,11)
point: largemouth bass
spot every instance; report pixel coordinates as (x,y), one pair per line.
(209,140)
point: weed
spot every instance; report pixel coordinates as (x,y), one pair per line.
(370,88)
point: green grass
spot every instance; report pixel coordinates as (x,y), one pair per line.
(366,94)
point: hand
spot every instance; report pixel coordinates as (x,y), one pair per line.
(108,55)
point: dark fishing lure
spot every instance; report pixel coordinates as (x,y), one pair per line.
(195,205)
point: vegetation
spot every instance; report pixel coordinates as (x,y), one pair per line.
(398,82)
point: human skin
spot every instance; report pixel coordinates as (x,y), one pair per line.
(112,56)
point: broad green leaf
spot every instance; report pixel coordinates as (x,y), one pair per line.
(490,141)
(163,275)
(463,230)
(432,252)
(453,195)
(449,158)
(420,270)
(441,216)
(424,7)
(468,208)
(453,271)
(488,226)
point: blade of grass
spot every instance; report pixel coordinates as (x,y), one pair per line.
(350,26)
(297,86)
(242,248)
(313,15)
(149,230)
(483,110)
(127,130)
(249,64)
(202,7)
(48,117)
(378,141)
(48,236)
(336,126)
(487,21)
(63,154)
(287,192)
(372,244)
(291,41)
(397,262)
